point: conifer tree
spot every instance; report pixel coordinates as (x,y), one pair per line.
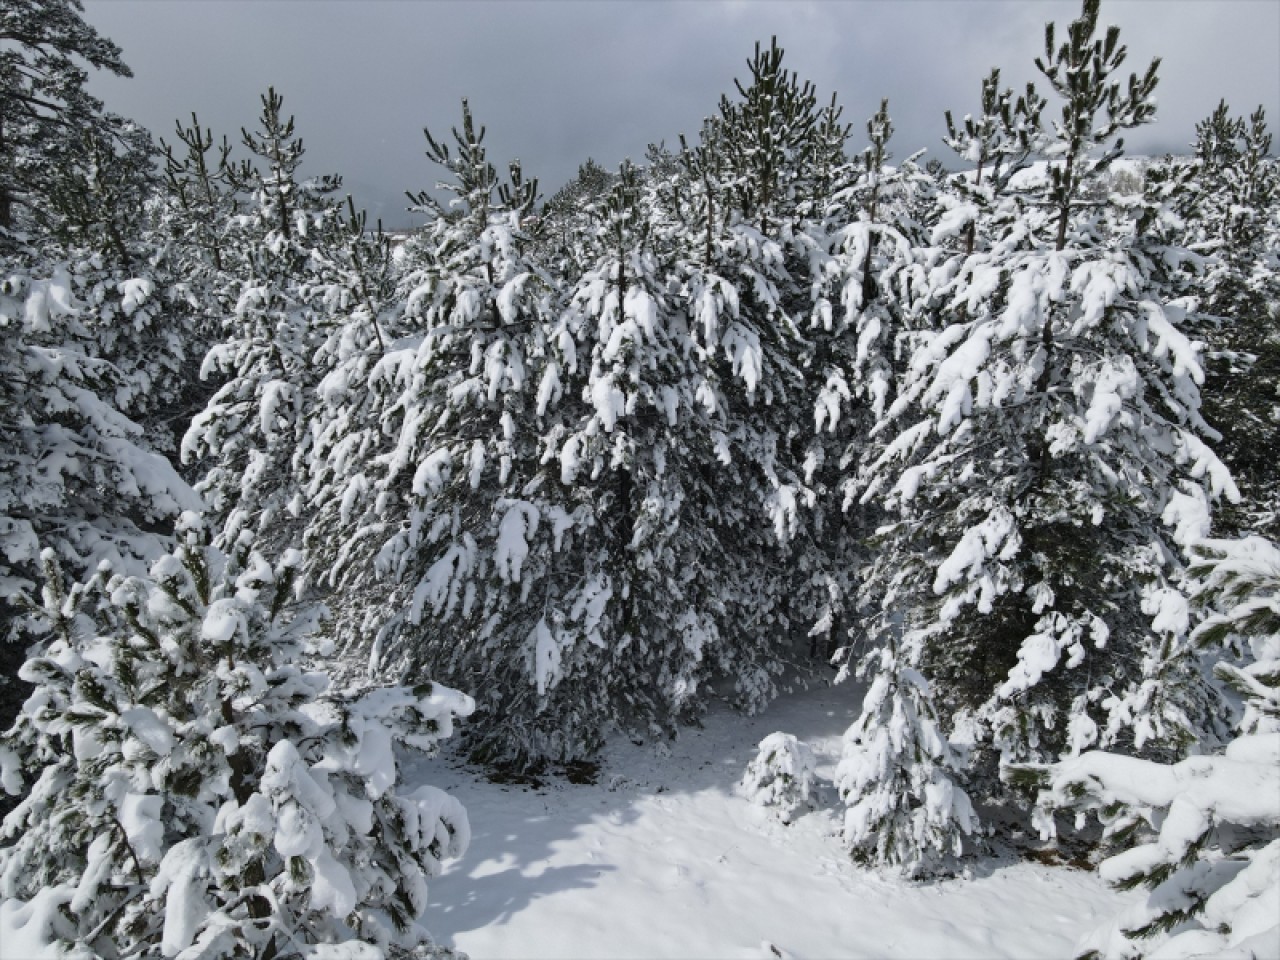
(1027,554)
(253,437)
(200,200)
(98,198)
(438,488)
(562,534)
(767,165)
(46,108)
(75,189)
(781,776)
(686,604)
(92,357)
(897,773)
(767,135)
(570,203)
(1231,201)
(76,475)
(197,276)
(192,790)
(1202,835)
(864,272)
(106,224)
(904,808)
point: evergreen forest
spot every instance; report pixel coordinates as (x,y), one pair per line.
(990,436)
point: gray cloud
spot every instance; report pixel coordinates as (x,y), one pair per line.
(556,82)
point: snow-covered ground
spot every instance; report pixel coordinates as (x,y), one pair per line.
(661,858)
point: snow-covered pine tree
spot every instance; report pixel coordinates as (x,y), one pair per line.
(1238,187)
(357,291)
(192,791)
(252,440)
(47,107)
(200,198)
(627,453)
(444,526)
(357,299)
(1041,435)
(97,197)
(737,350)
(88,343)
(683,567)
(774,157)
(566,214)
(75,184)
(863,273)
(781,776)
(76,475)
(897,772)
(195,272)
(104,217)
(355,280)
(764,132)
(1230,220)
(94,219)
(78,183)
(1202,835)
(698,198)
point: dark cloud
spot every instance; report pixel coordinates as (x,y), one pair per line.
(556,82)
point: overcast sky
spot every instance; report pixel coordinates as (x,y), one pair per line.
(556,82)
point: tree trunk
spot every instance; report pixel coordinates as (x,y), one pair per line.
(6,199)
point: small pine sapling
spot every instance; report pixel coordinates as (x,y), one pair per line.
(904,807)
(781,776)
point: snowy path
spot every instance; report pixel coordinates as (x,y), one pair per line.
(661,859)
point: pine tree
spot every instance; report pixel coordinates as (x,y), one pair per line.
(1233,201)
(93,352)
(92,358)
(781,776)
(1026,558)
(253,439)
(191,219)
(106,218)
(768,165)
(1202,835)
(76,190)
(97,199)
(76,475)
(201,196)
(904,808)
(665,351)
(194,790)
(46,110)
(864,269)
(897,774)
(78,183)
(564,534)
(440,513)
(767,136)
(571,201)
